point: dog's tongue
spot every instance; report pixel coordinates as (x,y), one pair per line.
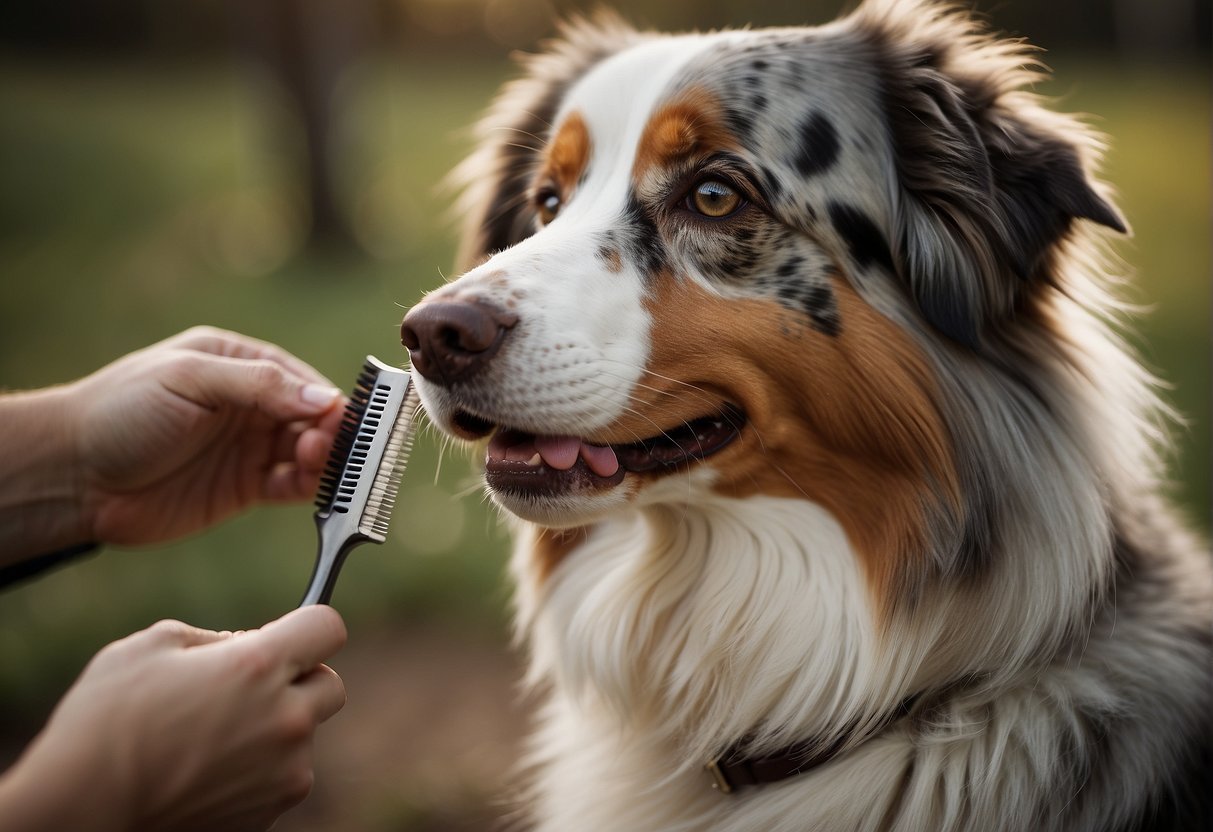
(559,453)
(600,458)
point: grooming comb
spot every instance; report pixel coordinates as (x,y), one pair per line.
(358,488)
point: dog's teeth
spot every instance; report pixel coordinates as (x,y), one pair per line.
(535,461)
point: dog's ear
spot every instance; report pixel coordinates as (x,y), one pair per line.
(495,178)
(990,181)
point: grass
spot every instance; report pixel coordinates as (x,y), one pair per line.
(137,201)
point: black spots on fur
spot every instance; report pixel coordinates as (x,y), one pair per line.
(758,65)
(805,291)
(772,186)
(813,300)
(789,296)
(642,239)
(610,240)
(738,256)
(739,259)
(819,145)
(740,123)
(820,306)
(865,242)
(790,267)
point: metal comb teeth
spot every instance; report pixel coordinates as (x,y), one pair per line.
(390,470)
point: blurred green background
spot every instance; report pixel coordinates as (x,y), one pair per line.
(275,168)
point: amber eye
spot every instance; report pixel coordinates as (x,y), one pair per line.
(714,199)
(547,203)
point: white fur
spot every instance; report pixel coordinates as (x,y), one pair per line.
(672,631)
(583,341)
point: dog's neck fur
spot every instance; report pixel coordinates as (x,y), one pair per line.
(659,639)
(671,613)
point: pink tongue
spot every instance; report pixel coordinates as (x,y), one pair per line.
(601,459)
(561,452)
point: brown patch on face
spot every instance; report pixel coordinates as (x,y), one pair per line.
(552,546)
(849,422)
(568,154)
(693,124)
(612,258)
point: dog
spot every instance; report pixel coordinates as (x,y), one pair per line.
(837,500)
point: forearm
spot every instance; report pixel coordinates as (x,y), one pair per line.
(35,799)
(41,507)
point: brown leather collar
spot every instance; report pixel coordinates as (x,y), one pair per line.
(733,769)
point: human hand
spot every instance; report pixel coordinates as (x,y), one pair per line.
(177,729)
(189,431)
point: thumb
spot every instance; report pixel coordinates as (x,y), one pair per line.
(259,384)
(305,637)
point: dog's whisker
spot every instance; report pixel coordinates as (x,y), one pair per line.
(707,400)
(537,117)
(646,370)
(469,490)
(663,432)
(506,128)
(518,146)
(508,206)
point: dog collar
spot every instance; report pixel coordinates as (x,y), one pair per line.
(733,769)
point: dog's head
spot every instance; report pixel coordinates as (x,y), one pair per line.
(734,262)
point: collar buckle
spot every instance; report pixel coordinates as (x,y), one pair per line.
(719,782)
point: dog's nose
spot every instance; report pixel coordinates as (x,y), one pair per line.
(452,341)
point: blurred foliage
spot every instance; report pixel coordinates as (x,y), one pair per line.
(138,198)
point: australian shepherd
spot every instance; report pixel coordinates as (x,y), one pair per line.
(836,497)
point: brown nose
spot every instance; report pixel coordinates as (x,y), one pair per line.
(452,341)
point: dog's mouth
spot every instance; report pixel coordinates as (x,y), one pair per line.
(539,465)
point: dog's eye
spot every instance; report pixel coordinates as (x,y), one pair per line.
(547,203)
(713,198)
